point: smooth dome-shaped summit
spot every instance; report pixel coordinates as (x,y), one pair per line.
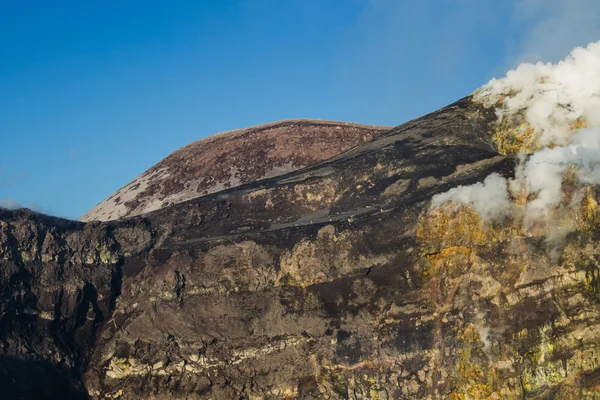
(231,159)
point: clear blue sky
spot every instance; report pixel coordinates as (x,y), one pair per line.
(92,93)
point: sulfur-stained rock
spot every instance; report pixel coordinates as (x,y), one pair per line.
(336,281)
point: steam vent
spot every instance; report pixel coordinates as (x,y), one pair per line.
(455,256)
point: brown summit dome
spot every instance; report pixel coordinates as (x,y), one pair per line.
(230,159)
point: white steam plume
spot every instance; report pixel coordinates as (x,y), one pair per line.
(544,171)
(554,101)
(489,198)
(551,98)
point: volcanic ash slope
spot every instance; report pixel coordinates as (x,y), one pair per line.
(230,159)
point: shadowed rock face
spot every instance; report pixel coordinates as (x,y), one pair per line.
(231,159)
(335,281)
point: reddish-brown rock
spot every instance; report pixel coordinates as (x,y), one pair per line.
(231,159)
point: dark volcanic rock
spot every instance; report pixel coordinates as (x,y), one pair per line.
(59,281)
(328,282)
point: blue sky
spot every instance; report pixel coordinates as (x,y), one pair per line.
(92,93)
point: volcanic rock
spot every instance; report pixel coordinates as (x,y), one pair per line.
(231,159)
(334,281)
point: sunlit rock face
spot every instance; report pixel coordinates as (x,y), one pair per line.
(425,263)
(231,159)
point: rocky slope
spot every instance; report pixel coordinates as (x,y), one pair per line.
(335,281)
(231,159)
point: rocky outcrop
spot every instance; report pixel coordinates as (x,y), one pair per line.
(231,159)
(59,282)
(335,281)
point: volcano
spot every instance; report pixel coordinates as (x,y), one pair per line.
(453,256)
